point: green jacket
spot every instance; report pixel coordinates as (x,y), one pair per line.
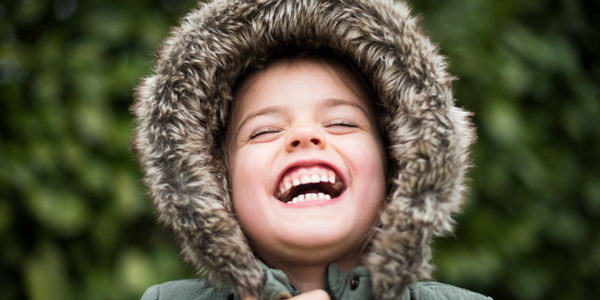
(339,285)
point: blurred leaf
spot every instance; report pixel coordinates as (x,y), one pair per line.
(129,201)
(28,12)
(135,272)
(45,275)
(529,283)
(62,211)
(503,122)
(6,216)
(592,197)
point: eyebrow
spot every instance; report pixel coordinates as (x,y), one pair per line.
(333,102)
(265,111)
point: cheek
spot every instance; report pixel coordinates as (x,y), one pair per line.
(368,162)
(368,158)
(249,173)
(242,189)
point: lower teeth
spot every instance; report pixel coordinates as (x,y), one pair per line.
(310,197)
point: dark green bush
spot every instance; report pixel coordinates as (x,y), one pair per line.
(74,223)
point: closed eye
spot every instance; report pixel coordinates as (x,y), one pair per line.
(263,131)
(344,123)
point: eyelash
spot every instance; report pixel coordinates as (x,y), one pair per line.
(262,131)
(341,123)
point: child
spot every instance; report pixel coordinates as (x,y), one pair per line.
(303,147)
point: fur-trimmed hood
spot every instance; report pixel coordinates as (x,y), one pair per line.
(181,114)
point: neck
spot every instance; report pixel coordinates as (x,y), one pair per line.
(308,277)
(305,278)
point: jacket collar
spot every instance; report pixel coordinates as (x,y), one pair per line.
(353,285)
(339,285)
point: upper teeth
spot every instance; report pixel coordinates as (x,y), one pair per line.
(313,179)
(287,183)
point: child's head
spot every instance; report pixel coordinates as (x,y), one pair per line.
(306,161)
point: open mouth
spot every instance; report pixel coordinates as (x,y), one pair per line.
(302,184)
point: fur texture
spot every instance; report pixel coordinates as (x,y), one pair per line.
(181,113)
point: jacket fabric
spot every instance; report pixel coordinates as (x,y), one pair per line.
(355,285)
(182,109)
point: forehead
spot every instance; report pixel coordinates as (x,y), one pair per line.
(299,81)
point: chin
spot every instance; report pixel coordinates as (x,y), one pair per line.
(316,244)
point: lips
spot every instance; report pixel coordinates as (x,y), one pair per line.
(309,183)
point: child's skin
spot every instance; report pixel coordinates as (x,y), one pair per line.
(305,117)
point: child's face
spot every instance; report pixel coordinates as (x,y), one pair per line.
(297,121)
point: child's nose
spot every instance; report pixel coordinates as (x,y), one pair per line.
(305,136)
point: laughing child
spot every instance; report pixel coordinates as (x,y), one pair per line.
(303,148)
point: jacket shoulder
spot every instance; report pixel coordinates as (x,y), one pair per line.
(189,289)
(439,291)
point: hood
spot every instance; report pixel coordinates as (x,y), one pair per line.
(181,114)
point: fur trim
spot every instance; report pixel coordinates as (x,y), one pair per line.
(181,113)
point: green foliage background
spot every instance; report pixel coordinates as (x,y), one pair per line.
(74,223)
